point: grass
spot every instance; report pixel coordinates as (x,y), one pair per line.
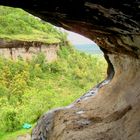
(13,135)
(16,24)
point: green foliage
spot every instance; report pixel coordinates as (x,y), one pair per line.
(30,88)
(19,25)
(10,120)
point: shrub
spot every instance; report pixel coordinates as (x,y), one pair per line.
(30,88)
(9,120)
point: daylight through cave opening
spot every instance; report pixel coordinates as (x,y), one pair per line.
(88,46)
(114,112)
(36,58)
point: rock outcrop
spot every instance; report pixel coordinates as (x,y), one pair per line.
(111,110)
(15,49)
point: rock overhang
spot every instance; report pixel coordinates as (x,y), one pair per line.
(113,25)
(113,113)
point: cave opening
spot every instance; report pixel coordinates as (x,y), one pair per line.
(14,36)
(114,112)
(86,45)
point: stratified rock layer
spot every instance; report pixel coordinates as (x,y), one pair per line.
(15,49)
(111,110)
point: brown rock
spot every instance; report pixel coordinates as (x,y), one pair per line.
(24,137)
(28,49)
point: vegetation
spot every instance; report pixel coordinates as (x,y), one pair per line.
(16,24)
(30,88)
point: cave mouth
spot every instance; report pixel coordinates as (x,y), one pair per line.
(87,46)
(114,112)
(13,48)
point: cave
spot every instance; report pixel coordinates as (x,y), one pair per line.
(113,113)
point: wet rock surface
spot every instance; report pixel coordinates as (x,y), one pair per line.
(111,110)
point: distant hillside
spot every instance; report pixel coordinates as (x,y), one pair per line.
(16,24)
(88,48)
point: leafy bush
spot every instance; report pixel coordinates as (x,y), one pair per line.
(30,88)
(9,119)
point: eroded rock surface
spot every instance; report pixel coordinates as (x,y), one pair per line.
(113,112)
(15,49)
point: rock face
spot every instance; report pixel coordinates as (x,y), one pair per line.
(111,110)
(28,49)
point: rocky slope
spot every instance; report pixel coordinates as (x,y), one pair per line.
(111,110)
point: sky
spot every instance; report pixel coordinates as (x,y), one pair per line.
(78,39)
(75,38)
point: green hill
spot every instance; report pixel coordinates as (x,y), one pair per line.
(16,24)
(30,88)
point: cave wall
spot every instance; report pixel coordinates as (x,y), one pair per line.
(110,110)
